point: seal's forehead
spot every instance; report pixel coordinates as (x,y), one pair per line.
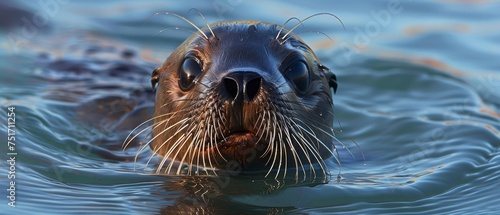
(255,33)
(245,32)
(254,28)
(246,44)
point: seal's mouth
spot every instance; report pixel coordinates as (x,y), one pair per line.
(238,139)
(244,147)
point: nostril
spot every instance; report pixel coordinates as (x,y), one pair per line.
(241,86)
(231,87)
(252,88)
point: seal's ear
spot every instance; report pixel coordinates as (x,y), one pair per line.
(330,77)
(333,82)
(155,76)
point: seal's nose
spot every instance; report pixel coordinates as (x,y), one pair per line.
(242,86)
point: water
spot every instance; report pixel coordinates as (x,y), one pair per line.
(419,91)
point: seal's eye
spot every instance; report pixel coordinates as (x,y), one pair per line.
(298,73)
(189,71)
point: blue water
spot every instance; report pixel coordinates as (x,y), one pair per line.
(419,92)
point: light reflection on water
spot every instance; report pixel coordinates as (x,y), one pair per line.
(418,91)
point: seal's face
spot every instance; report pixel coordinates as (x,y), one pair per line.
(243,95)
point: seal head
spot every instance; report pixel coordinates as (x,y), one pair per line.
(243,93)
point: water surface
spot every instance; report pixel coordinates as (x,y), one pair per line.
(419,90)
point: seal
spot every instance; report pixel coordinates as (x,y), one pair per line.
(243,95)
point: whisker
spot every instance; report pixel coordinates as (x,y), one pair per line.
(181,141)
(275,155)
(291,135)
(183,18)
(282,148)
(331,135)
(309,17)
(283,26)
(188,151)
(211,144)
(352,140)
(269,147)
(204,145)
(167,140)
(310,148)
(315,149)
(175,28)
(206,22)
(318,32)
(143,146)
(288,142)
(335,155)
(126,143)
